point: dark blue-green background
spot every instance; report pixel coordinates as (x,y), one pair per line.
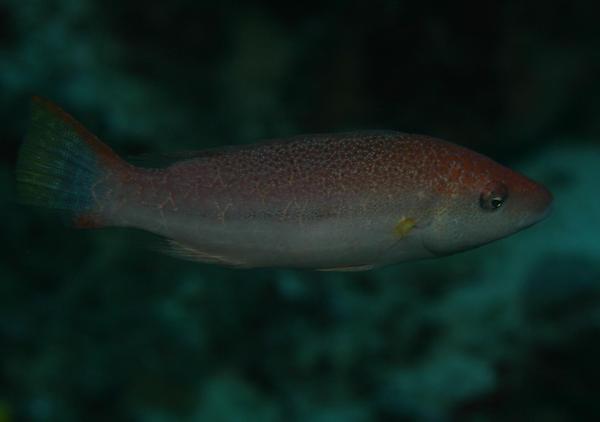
(95,327)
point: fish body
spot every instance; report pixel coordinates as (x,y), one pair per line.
(327,201)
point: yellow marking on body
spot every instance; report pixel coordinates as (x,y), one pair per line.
(217,178)
(301,213)
(221,211)
(404,226)
(262,190)
(285,211)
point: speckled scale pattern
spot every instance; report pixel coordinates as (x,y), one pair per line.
(309,176)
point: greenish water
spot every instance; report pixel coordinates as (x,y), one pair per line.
(95,326)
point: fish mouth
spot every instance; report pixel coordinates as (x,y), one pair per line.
(550,206)
(546,201)
(547,211)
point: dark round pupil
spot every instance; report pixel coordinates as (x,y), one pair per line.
(497,202)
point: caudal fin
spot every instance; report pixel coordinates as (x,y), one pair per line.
(60,162)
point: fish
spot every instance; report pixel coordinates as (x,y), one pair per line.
(348,201)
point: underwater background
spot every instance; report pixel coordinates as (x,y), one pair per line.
(95,326)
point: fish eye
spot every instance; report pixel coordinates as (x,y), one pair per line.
(493,196)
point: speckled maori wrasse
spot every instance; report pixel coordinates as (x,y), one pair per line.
(347,201)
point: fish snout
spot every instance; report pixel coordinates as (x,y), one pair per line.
(542,200)
(537,203)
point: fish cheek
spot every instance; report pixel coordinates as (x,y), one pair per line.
(451,224)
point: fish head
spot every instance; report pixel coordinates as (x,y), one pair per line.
(479,201)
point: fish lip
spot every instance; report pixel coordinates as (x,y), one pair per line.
(548,210)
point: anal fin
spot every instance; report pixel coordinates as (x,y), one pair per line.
(189,253)
(349,269)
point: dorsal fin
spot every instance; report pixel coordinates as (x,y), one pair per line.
(165,159)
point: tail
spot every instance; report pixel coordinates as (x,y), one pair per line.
(60,164)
